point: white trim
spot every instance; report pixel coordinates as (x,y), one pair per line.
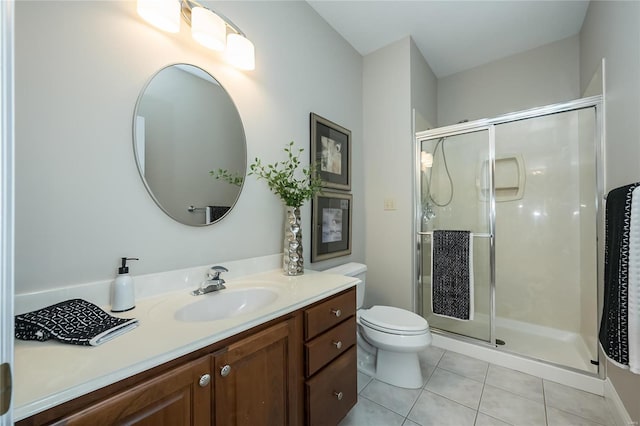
(7,145)
(620,414)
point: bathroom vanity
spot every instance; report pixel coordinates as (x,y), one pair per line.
(291,362)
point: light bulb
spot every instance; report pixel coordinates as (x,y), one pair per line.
(240,52)
(426,158)
(162,14)
(208,29)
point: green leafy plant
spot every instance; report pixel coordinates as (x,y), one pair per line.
(284,178)
(226,175)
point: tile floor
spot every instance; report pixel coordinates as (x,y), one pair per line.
(460,391)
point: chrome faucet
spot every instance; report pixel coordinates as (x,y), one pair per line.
(213,281)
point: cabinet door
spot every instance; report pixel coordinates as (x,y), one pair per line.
(181,396)
(252,380)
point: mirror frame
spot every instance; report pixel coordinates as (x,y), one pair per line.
(137,154)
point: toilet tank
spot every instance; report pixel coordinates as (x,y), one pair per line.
(353,269)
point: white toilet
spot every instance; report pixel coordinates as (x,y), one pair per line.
(389,338)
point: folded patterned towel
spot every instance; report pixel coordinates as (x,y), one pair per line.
(74,321)
(452,274)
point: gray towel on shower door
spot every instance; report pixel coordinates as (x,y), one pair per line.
(452,274)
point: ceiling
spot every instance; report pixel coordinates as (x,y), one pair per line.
(454,36)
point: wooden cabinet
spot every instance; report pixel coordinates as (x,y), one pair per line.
(176,397)
(330,359)
(299,369)
(254,380)
(333,391)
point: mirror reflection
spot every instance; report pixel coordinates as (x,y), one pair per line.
(186,124)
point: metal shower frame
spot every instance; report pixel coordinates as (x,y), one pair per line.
(489,124)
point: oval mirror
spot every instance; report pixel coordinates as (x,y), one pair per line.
(185,125)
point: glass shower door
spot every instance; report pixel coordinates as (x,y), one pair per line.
(455,193)
(546,305)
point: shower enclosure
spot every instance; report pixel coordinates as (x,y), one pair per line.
(528,185)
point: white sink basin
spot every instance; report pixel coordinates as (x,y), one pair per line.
(226,304)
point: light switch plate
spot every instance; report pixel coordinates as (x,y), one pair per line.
(389,204)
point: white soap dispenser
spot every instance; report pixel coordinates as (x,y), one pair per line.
(122,291)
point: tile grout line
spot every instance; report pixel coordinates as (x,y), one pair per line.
(422,389)
(544,400)
(480,400)
(386,408)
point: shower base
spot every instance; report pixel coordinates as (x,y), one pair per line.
(570,377)
(548,344)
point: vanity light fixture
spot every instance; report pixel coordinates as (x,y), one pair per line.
(211,29)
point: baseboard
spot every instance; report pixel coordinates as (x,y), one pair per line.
(616,406)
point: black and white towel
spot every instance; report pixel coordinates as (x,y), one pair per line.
(213,213)
(452,274)
(74,321)
(619,333)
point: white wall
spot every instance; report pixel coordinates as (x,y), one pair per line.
(395,80)
(424,90)
(387,159)
(537,77)
(612,31)
(80,204)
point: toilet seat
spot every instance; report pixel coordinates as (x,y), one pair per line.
(389,319)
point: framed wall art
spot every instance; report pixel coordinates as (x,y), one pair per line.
(331,229)
(331,151)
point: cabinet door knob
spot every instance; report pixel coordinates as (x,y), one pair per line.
(204,380)
(336,312)
(224,371)
(339,395)
(337,344)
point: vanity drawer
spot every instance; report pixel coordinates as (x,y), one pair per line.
(331,393)
(329,345)
(329,313)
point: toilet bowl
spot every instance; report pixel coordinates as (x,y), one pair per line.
(389,338)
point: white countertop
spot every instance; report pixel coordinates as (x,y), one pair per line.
(50,373)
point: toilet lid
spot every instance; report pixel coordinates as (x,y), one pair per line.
(393,320)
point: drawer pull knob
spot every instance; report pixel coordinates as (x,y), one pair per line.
(337,344)
(224,371)
(336,312)
(339,395)
(204,380)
